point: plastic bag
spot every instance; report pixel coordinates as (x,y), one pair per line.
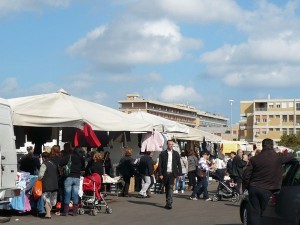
(37,189)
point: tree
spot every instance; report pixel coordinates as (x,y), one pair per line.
(290,141)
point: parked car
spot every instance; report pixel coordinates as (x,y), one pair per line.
(284,206)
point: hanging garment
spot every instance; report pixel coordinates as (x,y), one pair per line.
(88,135)
(152,142)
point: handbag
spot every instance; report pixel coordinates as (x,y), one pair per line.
(37,189)
(201,173)
(67,167)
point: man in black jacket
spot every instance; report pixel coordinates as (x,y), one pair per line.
(169,167)
(238,165)
(145,168)
(262,177)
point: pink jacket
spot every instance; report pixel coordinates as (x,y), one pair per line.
(152,142)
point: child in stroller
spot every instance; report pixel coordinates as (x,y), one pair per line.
(92,199)
(226,189)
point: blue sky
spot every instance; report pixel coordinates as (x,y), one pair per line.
(196,52)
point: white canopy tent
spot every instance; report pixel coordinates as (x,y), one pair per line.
(160,124)
(197,135)
(60,109)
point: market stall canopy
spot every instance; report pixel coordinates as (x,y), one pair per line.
(60,109)
(197,135)
(160,124)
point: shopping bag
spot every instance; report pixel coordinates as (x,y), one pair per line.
(37,189)
(201,173)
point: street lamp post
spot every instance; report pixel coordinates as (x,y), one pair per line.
(231,102)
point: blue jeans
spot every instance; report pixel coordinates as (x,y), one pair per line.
(201,187)
(182,182)
(71,189)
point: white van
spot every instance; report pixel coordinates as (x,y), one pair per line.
(8,155)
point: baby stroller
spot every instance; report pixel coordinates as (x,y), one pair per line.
(226,189)
(92,199)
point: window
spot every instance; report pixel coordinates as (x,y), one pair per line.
(277,129)
(297,105)
(291,118)
(291,131)
(286,168)
(284,118)
(278,105)
(271,129)
(296,178)
(271,116)
(283,105)
(291,104)
(284,131)
(271,105)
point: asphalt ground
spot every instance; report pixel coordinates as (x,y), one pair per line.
(149,211)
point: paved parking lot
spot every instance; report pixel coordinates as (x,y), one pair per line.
(151,211)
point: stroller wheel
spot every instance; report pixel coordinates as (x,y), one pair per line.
(215,198)
(235,197)
(94,212)
(109,210)
(81,211)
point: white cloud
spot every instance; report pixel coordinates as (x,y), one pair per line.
(191,10)
(180,94)
(269,58)
(14,6)
(82,81)
(269,19)
(126,78)
(127,43)
(271,62)
(100,97)
(7,86)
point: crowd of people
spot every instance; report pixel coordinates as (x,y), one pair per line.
(171,170)
(59,185)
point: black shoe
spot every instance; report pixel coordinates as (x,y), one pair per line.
(140,196)
(168,206)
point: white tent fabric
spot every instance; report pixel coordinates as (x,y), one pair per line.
(197,135)
(63,110)
(160,124)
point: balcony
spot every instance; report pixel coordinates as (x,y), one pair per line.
(261,109)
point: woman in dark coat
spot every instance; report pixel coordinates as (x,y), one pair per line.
(95,165)
(72,181)
(126,170)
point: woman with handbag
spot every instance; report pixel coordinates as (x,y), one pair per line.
(202,175)
(73,164)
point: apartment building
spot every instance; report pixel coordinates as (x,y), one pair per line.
(184,114)
(269,118)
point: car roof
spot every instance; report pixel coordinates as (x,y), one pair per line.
(296,159)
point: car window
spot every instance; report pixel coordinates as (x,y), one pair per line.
(286,168)
(296,178)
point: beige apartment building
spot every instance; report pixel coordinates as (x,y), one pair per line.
(269,118)
(184,114)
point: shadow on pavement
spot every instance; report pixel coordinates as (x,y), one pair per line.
(233,204)
(228,224)
(146,203)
